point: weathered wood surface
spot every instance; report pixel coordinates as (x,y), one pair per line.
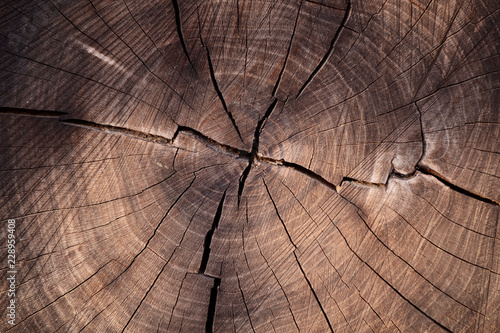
(251,165)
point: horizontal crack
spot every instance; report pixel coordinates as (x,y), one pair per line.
(436,175)
(212,144)
(32,112)
(299,168)
(119,130)
(423,170)
(362,183)
(250,156)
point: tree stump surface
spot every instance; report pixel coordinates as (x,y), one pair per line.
(190,166)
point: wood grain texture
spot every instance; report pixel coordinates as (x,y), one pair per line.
(219,166)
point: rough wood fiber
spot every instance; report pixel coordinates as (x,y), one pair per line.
(189,166)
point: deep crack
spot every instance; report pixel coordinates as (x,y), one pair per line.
(179,29)
(250,156)
(255,148)
(210,233)
(32,112)
(426,171)
(439,177)
(209,326)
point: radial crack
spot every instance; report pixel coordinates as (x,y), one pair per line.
(330,50)
(137,56)
(243,179)
(32,112)
(153,138)
(443,180)
(277,213)
(119,130)
(313,292)
(147,292)
(155,231)
(387,282)
(64,294)
(219,93)
(276,86)
(210,233)
(245,302)
(209,326)
(179,29)
(255,148)
(279,284)
(301,169)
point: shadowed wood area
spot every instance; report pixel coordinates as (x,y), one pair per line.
(250,166)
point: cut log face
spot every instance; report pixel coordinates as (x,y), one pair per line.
(186,166)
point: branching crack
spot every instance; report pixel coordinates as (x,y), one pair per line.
(210,233)
(255,148)
(250,156)
(330,50)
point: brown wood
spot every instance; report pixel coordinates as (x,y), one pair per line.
(262,166)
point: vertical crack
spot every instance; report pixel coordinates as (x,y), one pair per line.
(179,29)
(245,302)
(279,216)
(330,50)
(209,327)
(255,148)
(313,292)
(210,233)
(219,93)
(287,52)
(421,134)
(243,179)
